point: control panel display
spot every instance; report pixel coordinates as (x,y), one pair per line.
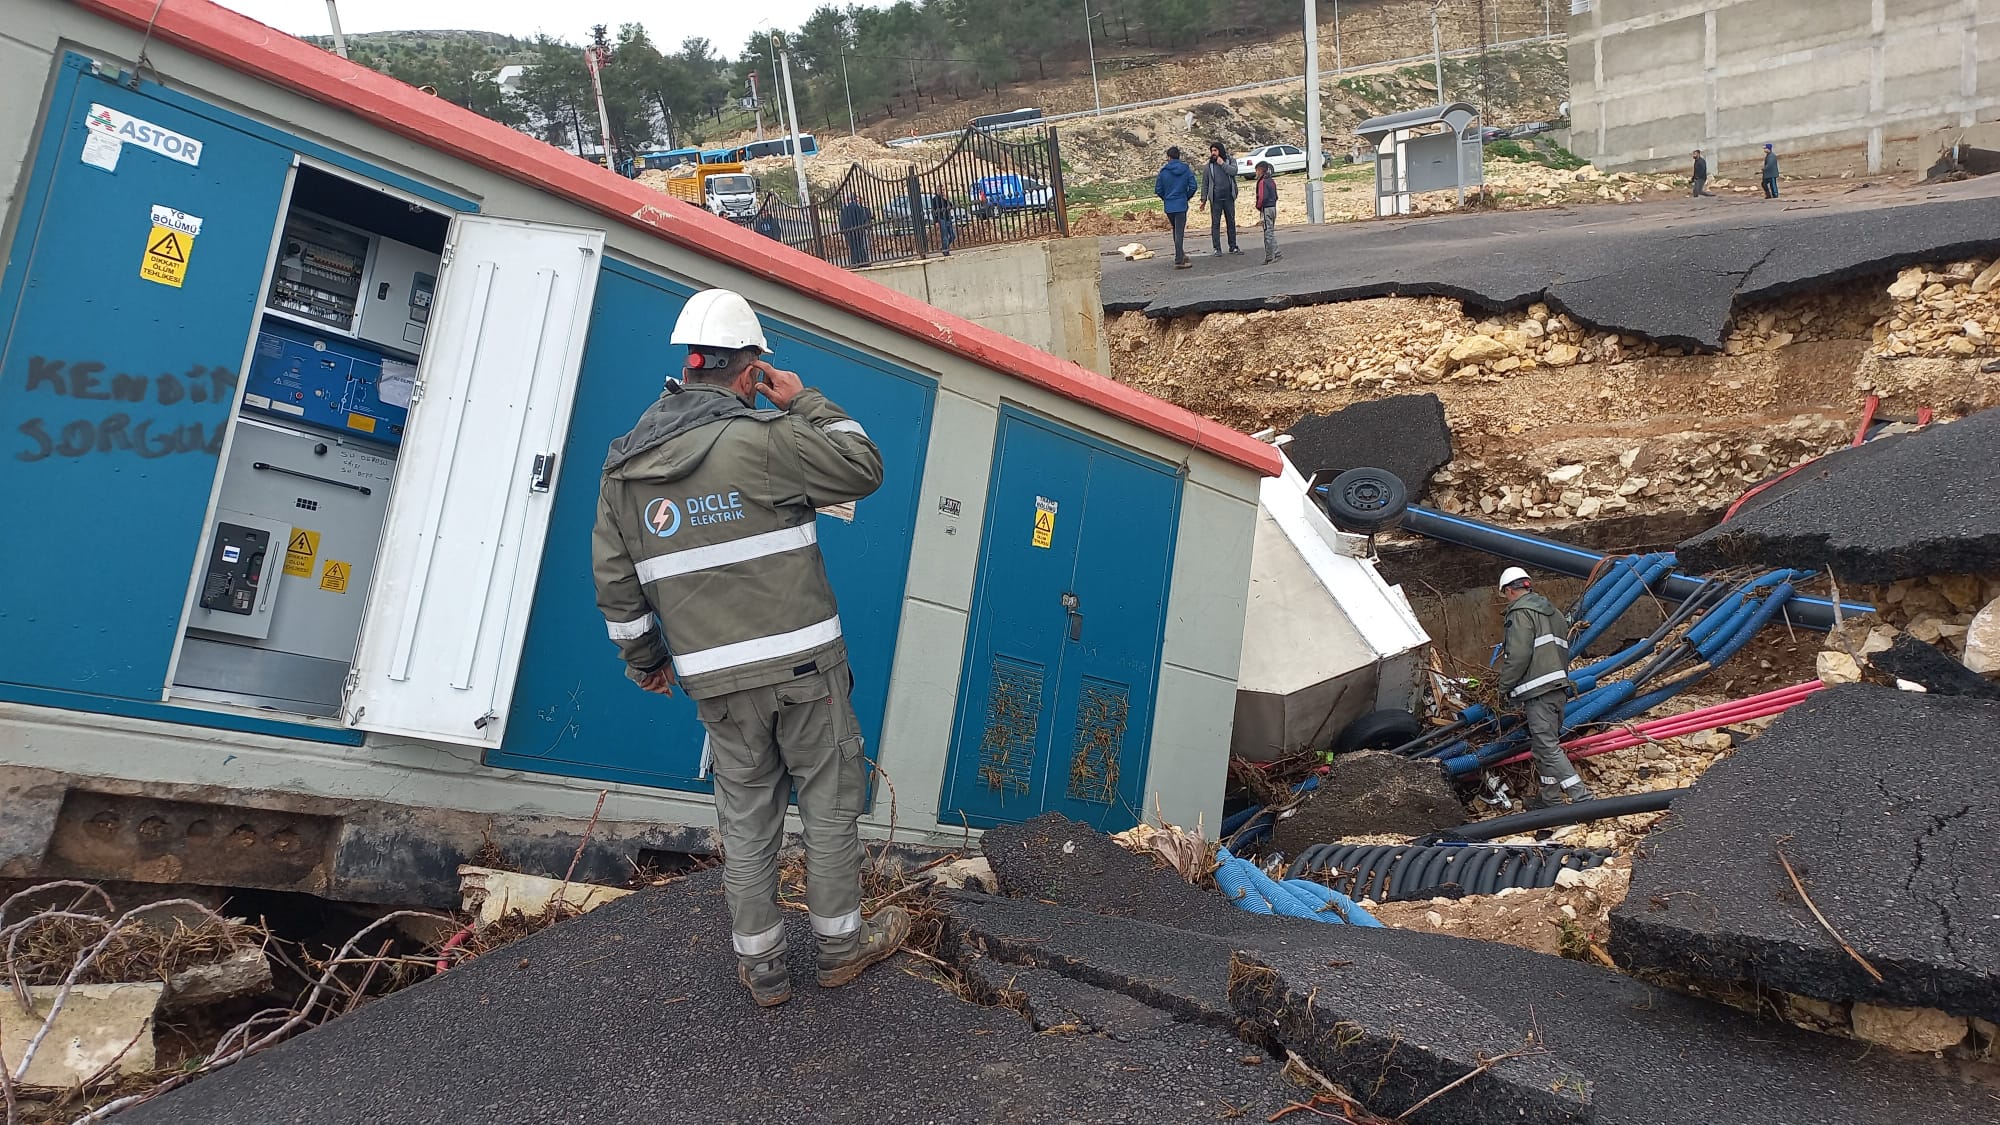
(320,272)
(329,381)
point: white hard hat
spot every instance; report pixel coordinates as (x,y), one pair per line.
(1512,575)
(719,318)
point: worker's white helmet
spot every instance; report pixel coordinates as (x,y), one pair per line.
(721,319)
(1512,575)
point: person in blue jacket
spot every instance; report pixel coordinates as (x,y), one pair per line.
(1176,185)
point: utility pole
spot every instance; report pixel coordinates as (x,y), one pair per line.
(1338,67)
(1090,43)
(848,90)
(339,40)
(1315,184)
(757,103)
(1437,48)
(792,109)
(1546,26)
(595,58)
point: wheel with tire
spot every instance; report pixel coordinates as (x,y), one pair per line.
(1378,730)
(1366,500)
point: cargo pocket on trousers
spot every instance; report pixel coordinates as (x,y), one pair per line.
(853,774)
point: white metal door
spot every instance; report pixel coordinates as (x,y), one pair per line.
(441,639)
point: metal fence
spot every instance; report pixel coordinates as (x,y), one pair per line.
(987,190)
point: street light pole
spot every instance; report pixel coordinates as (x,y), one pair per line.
(339,40)
(1437,48)
(1315,185)
(1338,67)
(792,107)
(848,90)
(1090,43)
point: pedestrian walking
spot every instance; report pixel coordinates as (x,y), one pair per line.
(1700,177)
(709,575)
(855,218)
(1534,673)
(767,224)
(1175,185)
(1770,173)
(941,211)
(1267,210)
(1218,187)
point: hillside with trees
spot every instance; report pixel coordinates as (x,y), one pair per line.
(914,64)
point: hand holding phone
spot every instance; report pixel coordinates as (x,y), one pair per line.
(776,384)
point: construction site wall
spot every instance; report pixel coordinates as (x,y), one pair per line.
(1834,85)
(1043,293)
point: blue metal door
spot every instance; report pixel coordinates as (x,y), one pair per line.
(574,712)
(118,372)
(1056,697)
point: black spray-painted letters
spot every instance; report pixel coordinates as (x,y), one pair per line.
(113,430)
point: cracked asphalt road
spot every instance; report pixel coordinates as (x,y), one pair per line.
(1669,270)
(1887,805)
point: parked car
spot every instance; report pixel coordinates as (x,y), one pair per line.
(1532,128)
(1493,133)
(896,213)
(1283,158)
(992,195)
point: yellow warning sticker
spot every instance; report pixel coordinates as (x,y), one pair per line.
(1045,521)
(300,551)
(334,577)
(166,259)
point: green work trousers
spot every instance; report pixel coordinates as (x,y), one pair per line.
(765,743)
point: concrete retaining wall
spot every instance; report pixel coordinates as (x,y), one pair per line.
(1835,85)
(1046,293)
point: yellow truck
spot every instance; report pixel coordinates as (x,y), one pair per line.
(725,189)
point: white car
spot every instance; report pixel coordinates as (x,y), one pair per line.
(1283,158)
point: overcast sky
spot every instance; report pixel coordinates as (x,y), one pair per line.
(726,23)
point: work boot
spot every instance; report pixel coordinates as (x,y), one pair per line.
(1579,792)
(766,976)
(841,959)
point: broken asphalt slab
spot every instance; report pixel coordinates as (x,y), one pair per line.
(631,1015)
(1928,666)
(1901,506)
(1671,271)
(1412,1011)
(1887,805)
(1061,862)
(1405,434)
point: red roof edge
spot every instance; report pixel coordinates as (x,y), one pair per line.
(242,44)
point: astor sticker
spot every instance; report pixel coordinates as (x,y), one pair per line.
(132,131)
(166,258)
(334,577)
(1045,521)
(300,551)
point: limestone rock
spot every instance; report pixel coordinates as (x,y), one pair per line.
(1565,474)
(1837,668)
(1907,285)
(1562,355)
(1477,349)
(1987,279)
(1908,1029)
(1982,640)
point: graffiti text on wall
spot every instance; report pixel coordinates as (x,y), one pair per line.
(114,429)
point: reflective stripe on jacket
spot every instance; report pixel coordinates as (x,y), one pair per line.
(1536,658)
(706,549)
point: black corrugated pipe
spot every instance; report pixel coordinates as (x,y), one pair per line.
(1401,872)
(1580,813)
(1533,550)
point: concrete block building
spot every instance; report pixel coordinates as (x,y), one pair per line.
(1835,85)
(306,378)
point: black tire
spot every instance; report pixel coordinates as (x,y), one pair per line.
(1378,730)
(1365,501)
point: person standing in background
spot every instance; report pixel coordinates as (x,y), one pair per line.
(1700,177)
(1266,200)
(1218,187)
(1770,172)
(1175,185)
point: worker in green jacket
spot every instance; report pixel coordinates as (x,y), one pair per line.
(709,574)
(1534,674)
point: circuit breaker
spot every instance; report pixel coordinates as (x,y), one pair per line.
(396,307)
(329,381)
(237,587)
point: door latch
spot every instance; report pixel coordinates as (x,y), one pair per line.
(1070,602)
(544,471)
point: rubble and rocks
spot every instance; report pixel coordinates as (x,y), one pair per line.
(102,1031)
(1405,434)
(1883,802)
(1571,919)
(1982,640)
(1901,506)
(1371,792)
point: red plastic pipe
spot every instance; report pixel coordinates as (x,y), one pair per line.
(457,939)
(1691,722)
(1867,419)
